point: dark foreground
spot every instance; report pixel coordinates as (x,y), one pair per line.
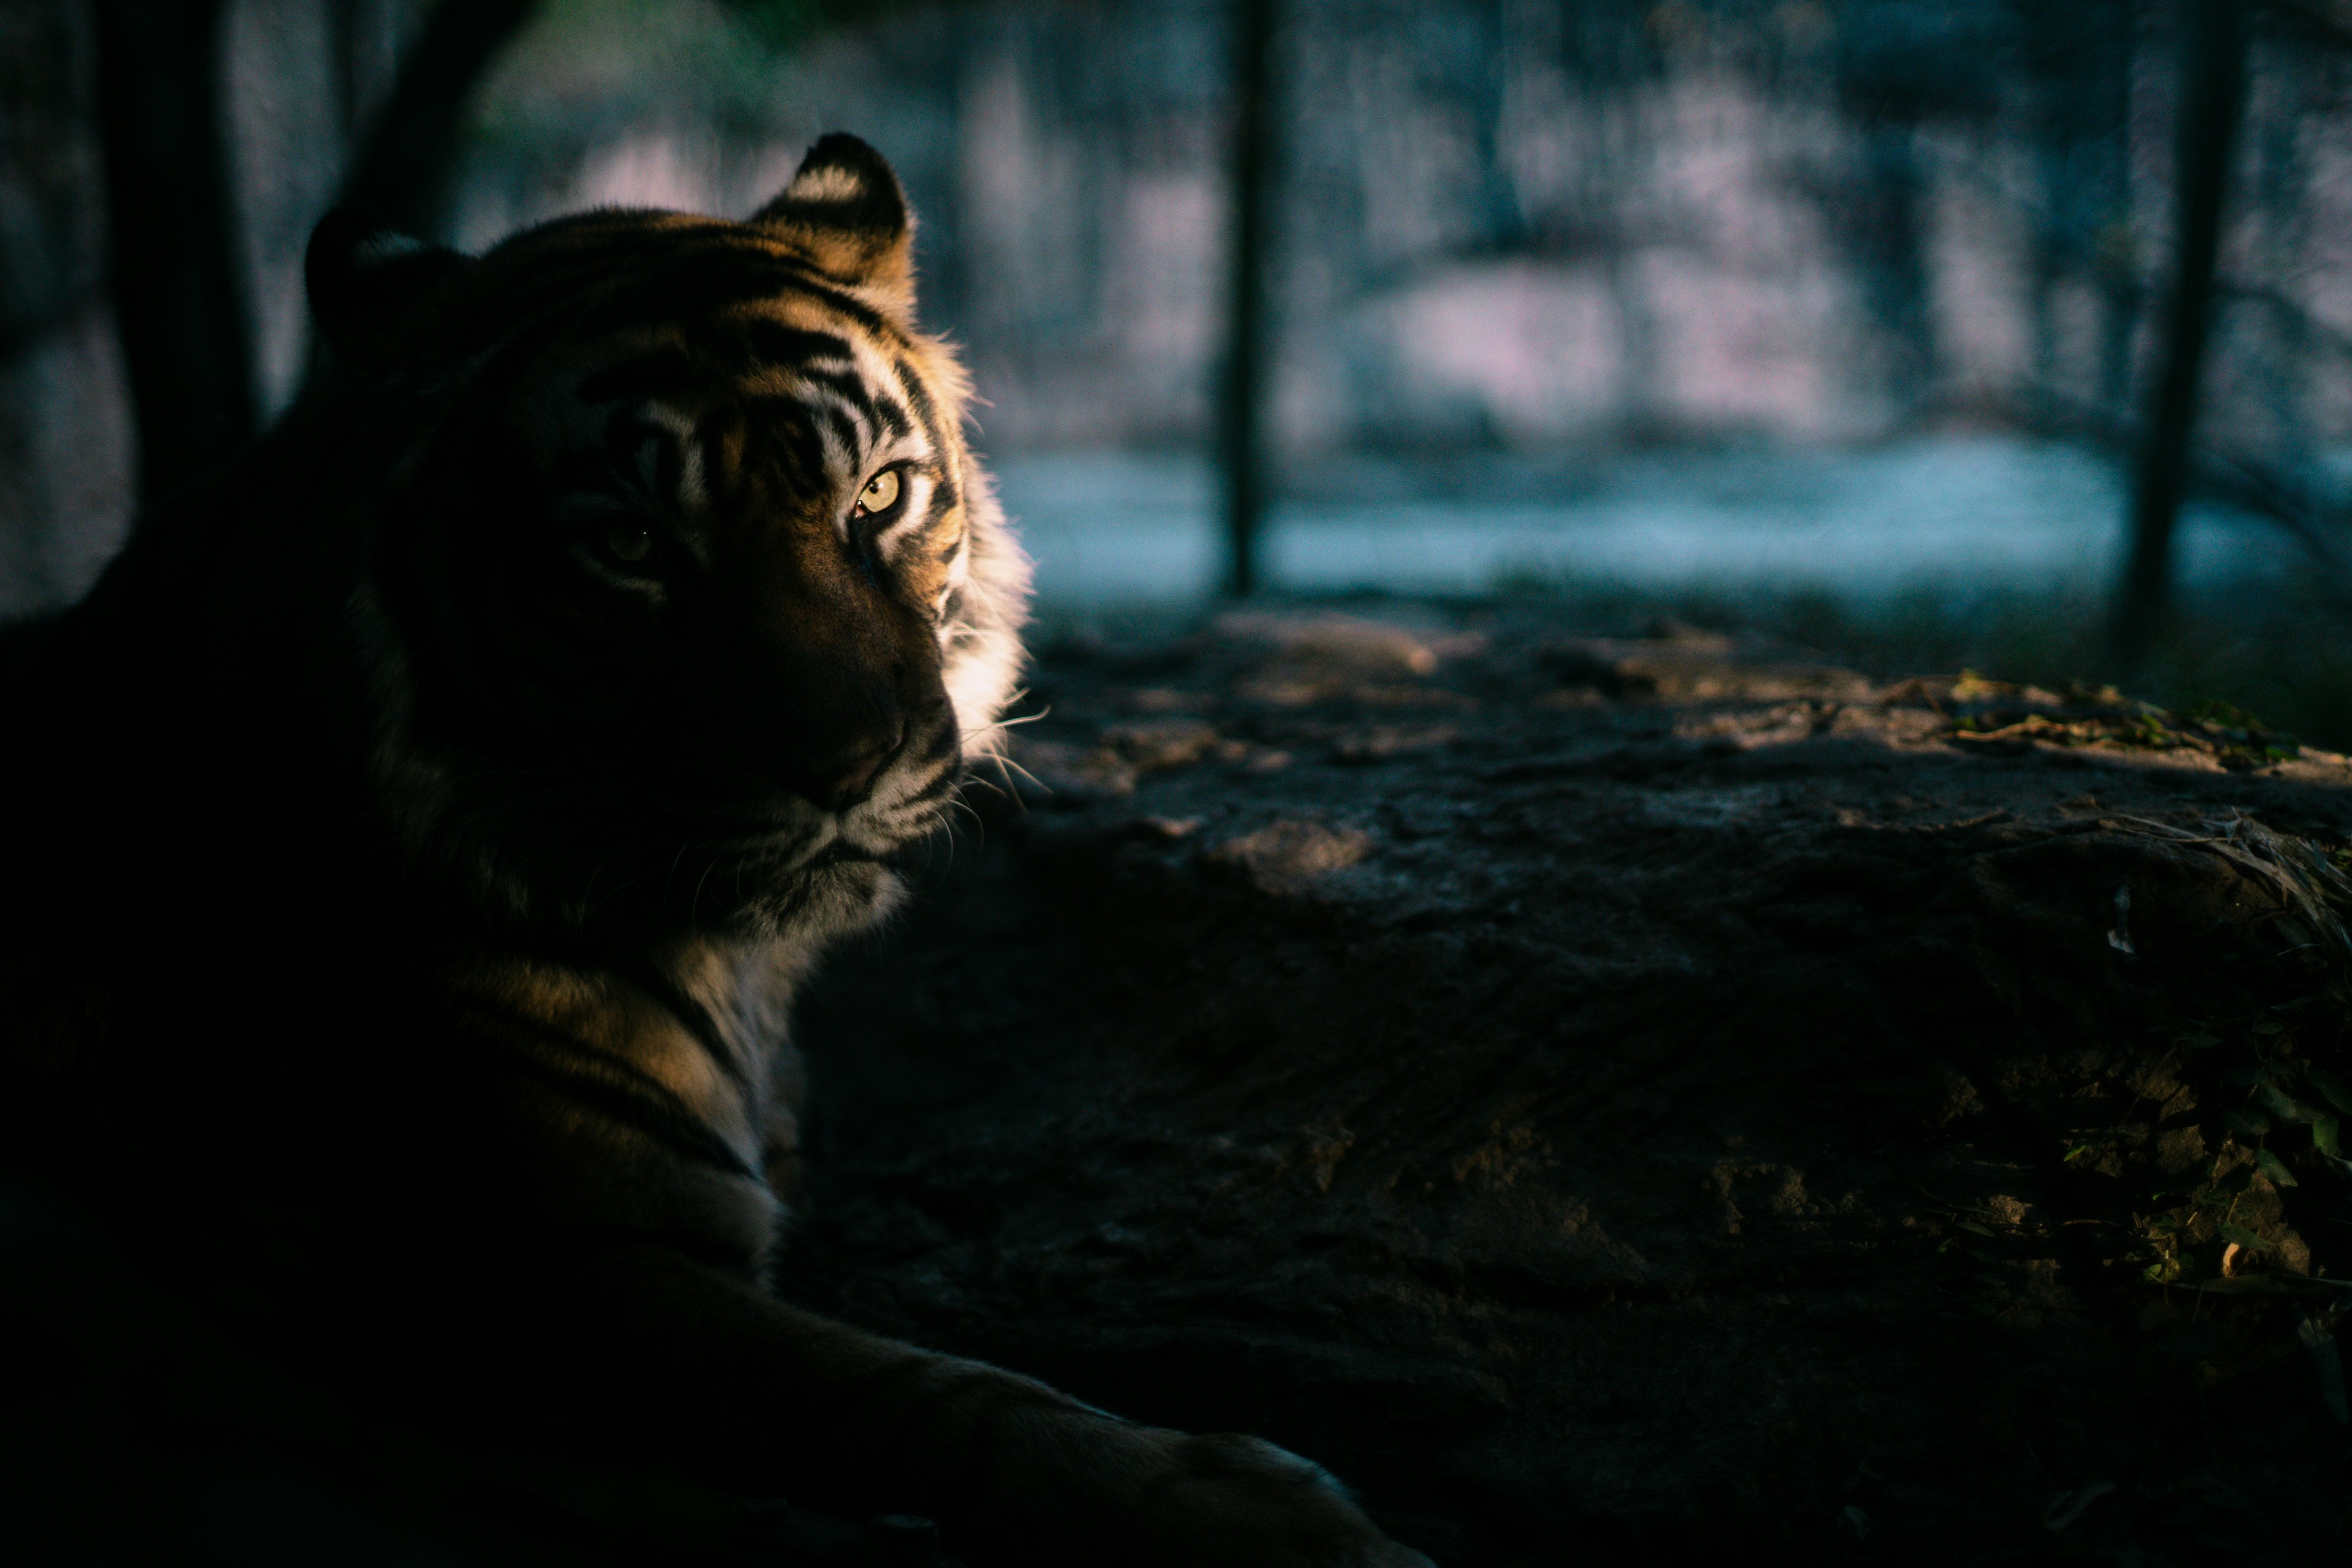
(1613,1099)
(1610,1102)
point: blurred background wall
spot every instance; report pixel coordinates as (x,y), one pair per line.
(1861,297)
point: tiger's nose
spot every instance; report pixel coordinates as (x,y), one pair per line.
(840,780)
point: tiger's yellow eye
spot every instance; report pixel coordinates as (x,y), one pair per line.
(628,539)
(880,494)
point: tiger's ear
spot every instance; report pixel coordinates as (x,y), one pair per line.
(846,212)
(374,292)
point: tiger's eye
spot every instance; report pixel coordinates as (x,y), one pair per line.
(880,494)
(627,540)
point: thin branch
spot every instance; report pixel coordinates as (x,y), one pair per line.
(2236,477)
(2334,336)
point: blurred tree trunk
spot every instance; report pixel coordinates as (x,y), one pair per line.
(1502,220)
(2080,59)
(364,38)
(401,171)
(2213,89)
(179,298)
(178,281)
(2115,261)
(2285,348)
(51,265)
(1240,414)
(1887,222)
(52,288)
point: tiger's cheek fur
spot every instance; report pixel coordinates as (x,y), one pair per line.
(980,635)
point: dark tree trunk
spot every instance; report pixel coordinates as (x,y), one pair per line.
(2079,58)
(2114,264)
(179,298)
(1893,249)
(52,284)
(362,53)
(2213,88)
(1501,221)
(401,171)
(1241,414)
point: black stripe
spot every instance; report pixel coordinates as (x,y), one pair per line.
(716,281)
(942,744)
(677,297)
(809,280)
(925,412)
(942,783)
(786,421)
(681,1135)
(698,282)
(887,409)
(802,891)
(847,386)
(615,1088)
(692,1017)
(944,500)
(710,433)
(851,436)
(775,343)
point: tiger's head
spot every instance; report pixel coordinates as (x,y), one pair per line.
(683,597)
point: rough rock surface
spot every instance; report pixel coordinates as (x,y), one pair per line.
(1612,1098)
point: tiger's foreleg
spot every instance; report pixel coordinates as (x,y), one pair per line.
(772,1399)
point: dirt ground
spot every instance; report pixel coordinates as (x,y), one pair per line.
(1610,1100)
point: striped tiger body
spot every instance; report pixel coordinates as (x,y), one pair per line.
(432,828)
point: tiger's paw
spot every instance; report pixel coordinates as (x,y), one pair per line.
(1242,1502)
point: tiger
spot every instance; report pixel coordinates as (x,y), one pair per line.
(416,843)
